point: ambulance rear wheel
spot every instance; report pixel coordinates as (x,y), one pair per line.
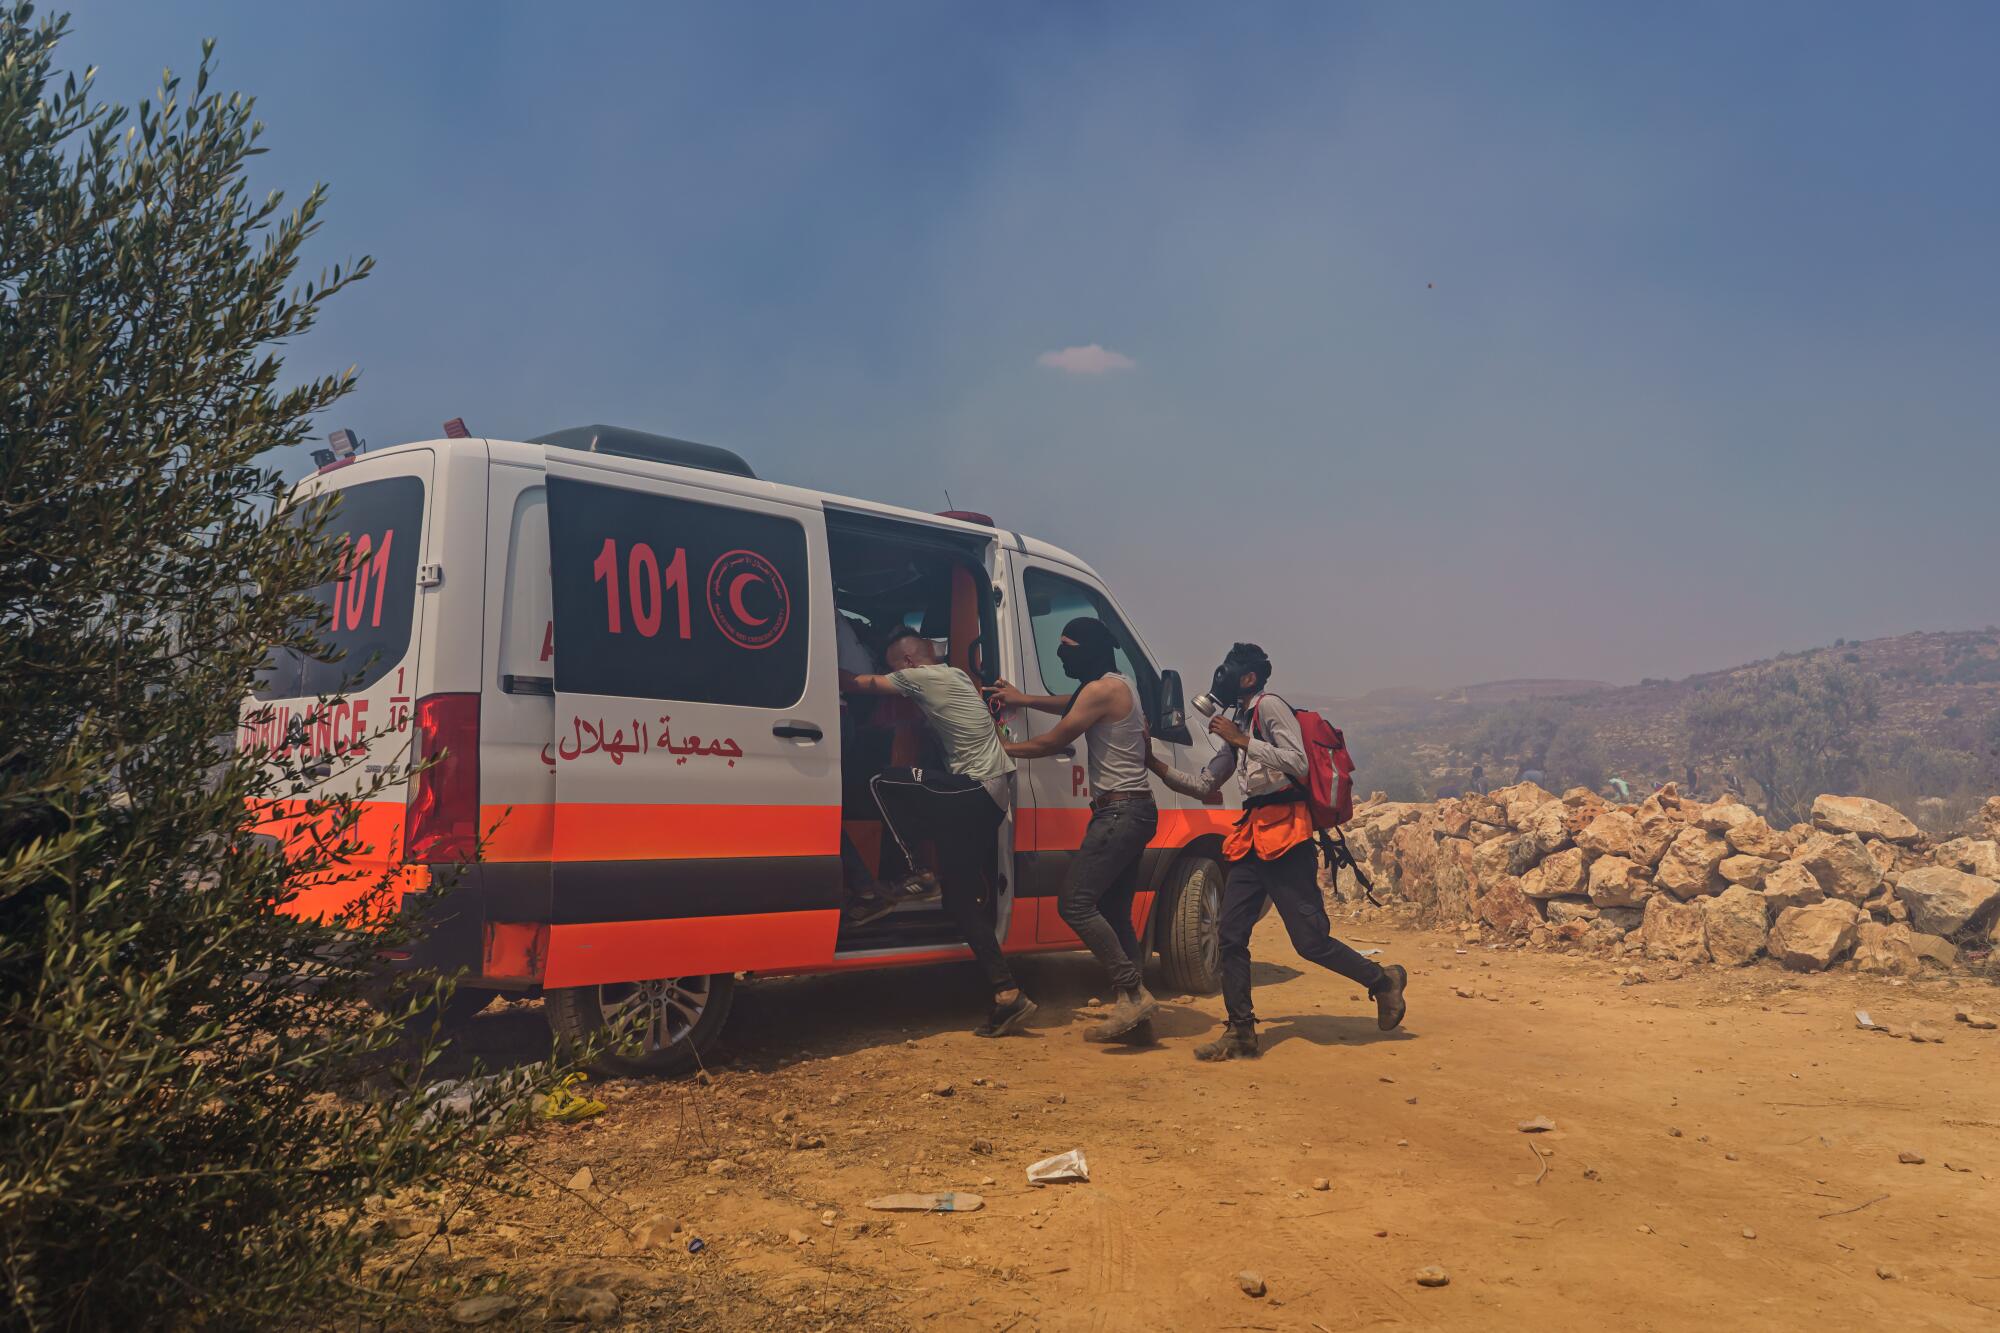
(643,1027)
(1190,939)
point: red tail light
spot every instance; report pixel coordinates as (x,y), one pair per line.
(443,823)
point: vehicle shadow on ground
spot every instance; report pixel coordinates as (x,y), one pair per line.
(505,1035)
(776,1021)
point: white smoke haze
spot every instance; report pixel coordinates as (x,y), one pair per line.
(1422,345)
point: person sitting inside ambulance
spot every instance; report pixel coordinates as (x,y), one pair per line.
(959,811)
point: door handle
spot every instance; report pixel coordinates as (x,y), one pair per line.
(797,731)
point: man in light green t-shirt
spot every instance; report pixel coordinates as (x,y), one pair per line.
(959,811)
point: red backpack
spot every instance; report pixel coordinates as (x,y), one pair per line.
(1329,785)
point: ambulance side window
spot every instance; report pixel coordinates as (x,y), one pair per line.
(1054,601)
(658,597)
(527,639)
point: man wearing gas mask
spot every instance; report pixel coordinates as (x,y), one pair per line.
(1096,899)
(1270,851)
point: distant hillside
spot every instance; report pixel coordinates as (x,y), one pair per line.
(1939,688)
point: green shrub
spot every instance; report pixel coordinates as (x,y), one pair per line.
(1794,731)
(197,1102)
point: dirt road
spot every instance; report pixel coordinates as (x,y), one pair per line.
(1726,1155)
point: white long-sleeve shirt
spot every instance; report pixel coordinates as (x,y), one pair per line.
(1273,760)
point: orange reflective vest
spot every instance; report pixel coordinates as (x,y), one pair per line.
(1269,831)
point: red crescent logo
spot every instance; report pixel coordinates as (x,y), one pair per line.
(736,600)
(735,580)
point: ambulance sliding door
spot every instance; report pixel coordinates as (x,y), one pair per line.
(697,734)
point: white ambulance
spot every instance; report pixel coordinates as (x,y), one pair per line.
(623,650)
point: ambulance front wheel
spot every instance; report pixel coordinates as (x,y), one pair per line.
(643,1028)
(1188,929)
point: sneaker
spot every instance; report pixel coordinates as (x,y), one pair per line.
(1131,1009)
(1234,1044)
(913,888)
(1388,993)
(1006,1018)
(863,908)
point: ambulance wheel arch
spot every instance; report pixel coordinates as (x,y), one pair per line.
(675,1021)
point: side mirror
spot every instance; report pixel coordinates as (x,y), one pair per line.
(1170,711)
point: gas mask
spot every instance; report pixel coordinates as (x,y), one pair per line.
(1225,688)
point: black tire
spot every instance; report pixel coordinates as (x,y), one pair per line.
(1190,908)
(686,1015)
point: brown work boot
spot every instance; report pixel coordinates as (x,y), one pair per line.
(1132,1008)
(1235,1043)
(1388,993)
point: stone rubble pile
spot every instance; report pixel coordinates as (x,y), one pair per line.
(1682,881)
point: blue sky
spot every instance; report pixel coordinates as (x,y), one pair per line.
(1465,341)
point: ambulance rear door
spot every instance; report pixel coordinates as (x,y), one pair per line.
(347,715)
(697,734)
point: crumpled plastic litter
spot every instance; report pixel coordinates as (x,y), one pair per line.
(460,1097)
(951,1201)
(1060,1169)
(564,1102)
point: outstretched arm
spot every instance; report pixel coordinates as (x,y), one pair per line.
(853,684)
(1204,786)
(1010,696)
(1093,705)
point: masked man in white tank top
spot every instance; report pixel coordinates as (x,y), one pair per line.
(1096,899)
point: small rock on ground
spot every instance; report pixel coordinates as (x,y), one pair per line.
(1430,1275)
(584,1305)
(476,1310)
(1541,1124)
(1908,1158)
(1252,1284)
(1322,1183)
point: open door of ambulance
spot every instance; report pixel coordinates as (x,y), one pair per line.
(697,732)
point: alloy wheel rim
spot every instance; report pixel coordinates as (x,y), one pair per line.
(662,1012)
(1211,932)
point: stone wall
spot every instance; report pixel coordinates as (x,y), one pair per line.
(1674,879)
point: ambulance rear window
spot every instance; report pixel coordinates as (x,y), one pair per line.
(365,611)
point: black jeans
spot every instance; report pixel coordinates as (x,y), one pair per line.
(1096,899)
(1292,883)
(956,815)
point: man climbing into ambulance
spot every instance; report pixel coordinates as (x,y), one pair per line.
(1271,851)
(958,811)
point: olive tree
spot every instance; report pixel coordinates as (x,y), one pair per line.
(1795,730)
(198,1105)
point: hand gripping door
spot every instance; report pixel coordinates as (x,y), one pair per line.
(696,746)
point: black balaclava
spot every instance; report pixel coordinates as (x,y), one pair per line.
(1094,653)
(1242,657)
